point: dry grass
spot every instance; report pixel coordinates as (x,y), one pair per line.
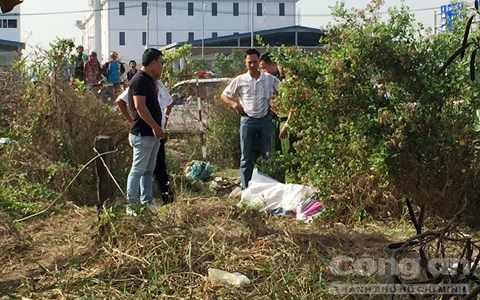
(167,256)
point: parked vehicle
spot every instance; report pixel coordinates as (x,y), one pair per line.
(185,115)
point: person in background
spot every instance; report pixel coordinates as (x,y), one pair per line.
(113,70)
(145,130)
(92,70)
(280,121)
(381,87)
(255,90)
(383,95)
(78,60)
(268,65)
(133,69)
(166,103)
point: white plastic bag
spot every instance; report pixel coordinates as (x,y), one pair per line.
(262,192)
(265,192)
(218,277)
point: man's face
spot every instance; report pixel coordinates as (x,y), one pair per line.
(269,68)
(251,62)
(158,66)
(80,50)
(133,65)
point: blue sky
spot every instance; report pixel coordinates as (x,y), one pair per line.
(39,29)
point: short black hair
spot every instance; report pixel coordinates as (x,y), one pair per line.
(265,57)
(251,51)
(150,55)
(132,61)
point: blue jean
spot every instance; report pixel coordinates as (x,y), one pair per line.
(145,150)
(253,131)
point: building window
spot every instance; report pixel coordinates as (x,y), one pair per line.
(168,38)
(12,23)
(214,8)
(144,38)
(169,8)
(214,35)
(281,9)
(121,38)
(190,8)
(190,36)
(144,8)
(259,9)
(121,8)
(235,9)
(8,23)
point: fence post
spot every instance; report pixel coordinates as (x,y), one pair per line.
(202,127)
(104,181)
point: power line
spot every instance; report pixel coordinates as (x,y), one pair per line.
(199,10)
(65,12)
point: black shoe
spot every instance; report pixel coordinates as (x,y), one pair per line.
(167,198)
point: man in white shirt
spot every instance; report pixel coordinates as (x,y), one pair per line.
(160,172)
(255,89)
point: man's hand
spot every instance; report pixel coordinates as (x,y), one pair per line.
(159,133)
(284,131)
(234,104)
(238,108)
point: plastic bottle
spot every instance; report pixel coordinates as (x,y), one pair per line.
(236,279)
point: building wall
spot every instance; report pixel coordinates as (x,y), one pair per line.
(180,25)
(7,58)
(10,25)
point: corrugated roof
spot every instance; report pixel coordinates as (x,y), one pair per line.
(288,36)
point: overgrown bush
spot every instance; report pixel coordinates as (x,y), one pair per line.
(52,126)
(364,151)
(223,137)
(229,65)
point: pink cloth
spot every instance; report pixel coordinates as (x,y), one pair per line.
(314,208)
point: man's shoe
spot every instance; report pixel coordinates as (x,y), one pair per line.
(153,207)
(168,198)
(130,211)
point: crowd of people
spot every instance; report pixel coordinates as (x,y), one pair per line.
(87,68)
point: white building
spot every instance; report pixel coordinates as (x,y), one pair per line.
(129,26)
(10,25)
(10,45)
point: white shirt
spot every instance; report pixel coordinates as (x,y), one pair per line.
(254,94)
(163,96)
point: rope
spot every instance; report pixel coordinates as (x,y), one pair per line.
(68,186)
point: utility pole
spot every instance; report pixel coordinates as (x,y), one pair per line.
(204,6)
(97,13)
(148,26)
(251,25)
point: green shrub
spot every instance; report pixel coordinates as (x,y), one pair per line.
(366,152)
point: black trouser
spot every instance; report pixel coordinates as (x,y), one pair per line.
(161,175)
